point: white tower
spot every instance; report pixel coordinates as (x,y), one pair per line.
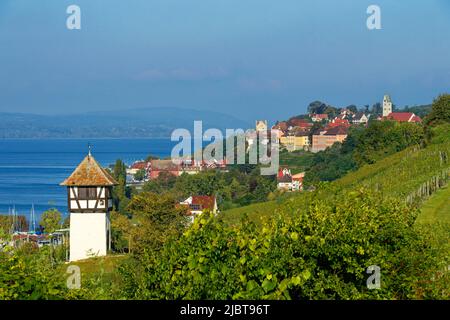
(387,105)
(89,197)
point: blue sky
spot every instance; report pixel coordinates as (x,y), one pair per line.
(249,58)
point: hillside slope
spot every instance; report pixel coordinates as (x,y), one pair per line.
(412,175)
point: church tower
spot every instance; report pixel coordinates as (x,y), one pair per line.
(89,198)
(387,105)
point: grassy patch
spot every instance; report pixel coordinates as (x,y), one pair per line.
(100,274)
(436,208)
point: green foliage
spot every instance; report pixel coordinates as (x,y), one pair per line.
(317,248)
(440,134)
(238,187)
(121,193)
(6,223)
(30,275)
(402,173)
(383,138)
(440,111)
(140,175)
(297,161)
(51,220)
(155,217)
(320,108)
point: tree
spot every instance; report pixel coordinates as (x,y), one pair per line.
(157,217)
(352,108)
(440,111)
(121,232)
(140,175)
(50,220)
(119,170)
(121,192)
(66,222)
(377,109)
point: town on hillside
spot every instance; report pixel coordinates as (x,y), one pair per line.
(313,132)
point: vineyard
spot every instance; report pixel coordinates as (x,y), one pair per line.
(412,174)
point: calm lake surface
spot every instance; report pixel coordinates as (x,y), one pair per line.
(31,170)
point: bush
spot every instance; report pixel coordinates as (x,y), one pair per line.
(29,275)
(315,249)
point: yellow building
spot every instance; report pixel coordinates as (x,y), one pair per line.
(295,142)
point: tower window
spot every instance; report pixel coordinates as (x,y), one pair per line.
(85,193)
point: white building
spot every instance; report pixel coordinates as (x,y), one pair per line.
(89,193)
(387,105)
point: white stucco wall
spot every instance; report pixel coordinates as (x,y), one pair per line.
(88,234)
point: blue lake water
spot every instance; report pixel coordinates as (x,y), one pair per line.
(31,170)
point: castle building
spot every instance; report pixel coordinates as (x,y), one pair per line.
(89,198)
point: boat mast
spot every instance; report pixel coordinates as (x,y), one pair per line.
(14,218)
(33,220)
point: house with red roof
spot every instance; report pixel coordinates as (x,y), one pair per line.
(137,166)
(200,204)
(288,182)
(319,117)
(403,117)
(284,179)
(167,166)
(300,123)
(338,122)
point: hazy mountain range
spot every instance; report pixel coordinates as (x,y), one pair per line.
(139,123)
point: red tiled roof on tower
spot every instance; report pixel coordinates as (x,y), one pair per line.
(89,173)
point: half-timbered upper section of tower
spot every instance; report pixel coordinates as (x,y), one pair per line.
(89,174)
(89,188)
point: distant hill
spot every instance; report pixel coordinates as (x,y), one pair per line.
(136,123)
